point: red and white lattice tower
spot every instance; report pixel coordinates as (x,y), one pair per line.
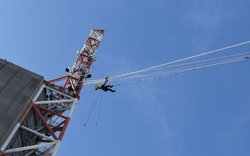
(41,127)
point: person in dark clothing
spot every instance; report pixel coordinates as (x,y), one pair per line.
(104,87)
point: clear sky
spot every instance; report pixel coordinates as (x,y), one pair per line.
(198,113)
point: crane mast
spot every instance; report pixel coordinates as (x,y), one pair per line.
(42,125)
(80,69)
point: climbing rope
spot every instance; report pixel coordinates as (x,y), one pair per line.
(175,69)
(173,63)
(99,110)
(93,107)
(184,59)
(169,69)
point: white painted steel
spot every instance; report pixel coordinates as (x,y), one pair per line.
(59,92)
(37,133)
(5,144)
(72,109)
(53,101)
(38,93)
(29,153)
(56,148)
(29,147)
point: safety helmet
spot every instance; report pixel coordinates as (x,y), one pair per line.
(97,86)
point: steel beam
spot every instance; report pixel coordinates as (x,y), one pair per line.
(29,147)
(53,101)
(35,132)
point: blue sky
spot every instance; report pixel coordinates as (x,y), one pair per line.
(198,113)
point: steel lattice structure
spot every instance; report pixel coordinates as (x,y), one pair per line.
(41,128)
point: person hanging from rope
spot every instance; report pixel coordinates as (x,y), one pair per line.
(104,87)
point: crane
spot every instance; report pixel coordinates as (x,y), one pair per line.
(42,126)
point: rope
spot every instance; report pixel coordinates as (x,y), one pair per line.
(223,60)
(91,111)
(99,110)
(168,63)
(178,67)
(88,91)
(184,59)
(245,55)
(161,75)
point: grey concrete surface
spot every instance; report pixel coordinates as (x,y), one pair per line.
(17,88)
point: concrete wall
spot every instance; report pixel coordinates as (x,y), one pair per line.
(17,88)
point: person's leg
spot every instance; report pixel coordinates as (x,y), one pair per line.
(109,86)
(110,89)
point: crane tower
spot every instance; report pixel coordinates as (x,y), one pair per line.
(34,113)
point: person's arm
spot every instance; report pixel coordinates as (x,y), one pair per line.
(106,80)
